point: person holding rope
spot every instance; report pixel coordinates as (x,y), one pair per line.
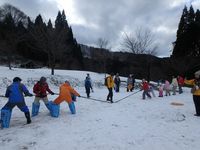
(14,93)
(145,88)
(40,89)
(68,94)
(110,86)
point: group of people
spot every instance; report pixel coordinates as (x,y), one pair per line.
(167,87)
(148,90)
(16,91)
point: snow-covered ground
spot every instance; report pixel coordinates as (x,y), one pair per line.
(131,124)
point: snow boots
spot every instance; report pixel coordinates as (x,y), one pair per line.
(48,105)
(55,109)
(5,118)
(35,109)
(72,108)
(28,117)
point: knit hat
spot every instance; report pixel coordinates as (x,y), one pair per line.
(17,79)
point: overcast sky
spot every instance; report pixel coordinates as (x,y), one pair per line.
(109,19)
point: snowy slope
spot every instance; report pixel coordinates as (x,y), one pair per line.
(131,124)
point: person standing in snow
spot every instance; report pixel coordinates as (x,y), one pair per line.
(167,88)
(14,93)
(180,80)
(145,88)
(40,89)
(88,86)
(68,94)
(195,91)
(110,86)
(117,82)
(160,89)
(174,85)
(130,83)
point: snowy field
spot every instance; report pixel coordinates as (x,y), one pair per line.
(131,124)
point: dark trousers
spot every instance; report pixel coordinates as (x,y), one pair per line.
(117,88)
(196,100)
(145,92)
(110,94)
(21,105)
(87,91)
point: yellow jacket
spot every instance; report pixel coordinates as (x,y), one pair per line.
(192,82)
(110,82)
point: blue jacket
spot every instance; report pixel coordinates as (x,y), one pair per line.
(88,84)
(15,92)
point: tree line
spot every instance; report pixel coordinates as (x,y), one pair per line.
(188,34)
(37,40)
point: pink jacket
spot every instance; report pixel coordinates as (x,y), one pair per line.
(167,85)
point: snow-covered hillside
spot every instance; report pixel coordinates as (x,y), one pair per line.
(131,124)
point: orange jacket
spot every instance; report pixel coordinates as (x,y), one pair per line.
(65,94)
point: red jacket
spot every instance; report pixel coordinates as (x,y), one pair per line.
(41,89)
(145,86)
(180,80)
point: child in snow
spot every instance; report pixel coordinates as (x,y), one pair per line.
(167,88)
(174,85)
(160,89)
(40,89)
(145,88)
(151,89)
(88,86)
(67,93)
(15,98)
(117,82)
(130,83)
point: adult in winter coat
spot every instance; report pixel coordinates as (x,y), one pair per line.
(40,89)
(110,86)
(67,93)
(15,96)
(117,82)
(180,84)
(195,91)
(145,88)
(174,85)
(88,86)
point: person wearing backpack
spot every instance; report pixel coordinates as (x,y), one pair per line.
(110,85)
(15,96)
(68,94)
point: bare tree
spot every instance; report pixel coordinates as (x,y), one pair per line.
(142,42)
(17,15)
(103,45)
(10,18)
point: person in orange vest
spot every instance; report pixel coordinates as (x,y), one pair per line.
(68,94)
(195,91)
(110,86)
